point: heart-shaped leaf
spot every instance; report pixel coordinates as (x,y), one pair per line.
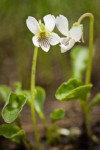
(13,107)
(39,100)
(72,89)
(95,101)
(4,92)
(79,56)
(11,132)
(57,114)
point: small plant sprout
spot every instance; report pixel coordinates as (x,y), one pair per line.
(44,37)
(72,36)
(53,131)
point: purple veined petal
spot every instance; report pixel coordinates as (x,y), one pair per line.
(32,25)
(49,21)
(66,44)
(76,33)
(44,44)
(62,24)
(35,41)
(54,39)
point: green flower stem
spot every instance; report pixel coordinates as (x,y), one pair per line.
(89,68)
(33,112)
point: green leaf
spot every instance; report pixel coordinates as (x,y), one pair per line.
(13,107)
(57,114)
(17,86)
(94,102)
(39,100)
(27,94)
(72,89)
(79,56)
(11,132)
(4,92)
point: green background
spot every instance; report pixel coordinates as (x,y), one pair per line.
(16,47)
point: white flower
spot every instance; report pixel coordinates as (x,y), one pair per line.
(72,36)
(44,37)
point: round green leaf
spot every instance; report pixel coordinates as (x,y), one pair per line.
(39,100)
(4,92)
(57,114)
(13,107)
(11,131)
(72,89)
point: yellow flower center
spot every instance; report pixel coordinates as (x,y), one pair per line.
(42,35)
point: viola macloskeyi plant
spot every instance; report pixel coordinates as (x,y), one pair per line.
(35,97)
(82,59)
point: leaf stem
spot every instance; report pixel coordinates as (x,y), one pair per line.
(44,121)
(89,69)
(27,143)
(33,112)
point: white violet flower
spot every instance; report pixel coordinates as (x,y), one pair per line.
(44,37)
(71,36)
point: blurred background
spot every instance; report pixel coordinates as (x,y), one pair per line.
(16,47)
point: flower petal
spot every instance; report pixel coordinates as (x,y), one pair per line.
(66,45)
(45,45)
(32,25)
(76,33)
(35,41)
(54,39)
(62,24)
(49,21)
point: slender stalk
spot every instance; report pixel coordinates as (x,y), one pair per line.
(44,121)
(33,112)
(89,68)
(27,143)
(24,139)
